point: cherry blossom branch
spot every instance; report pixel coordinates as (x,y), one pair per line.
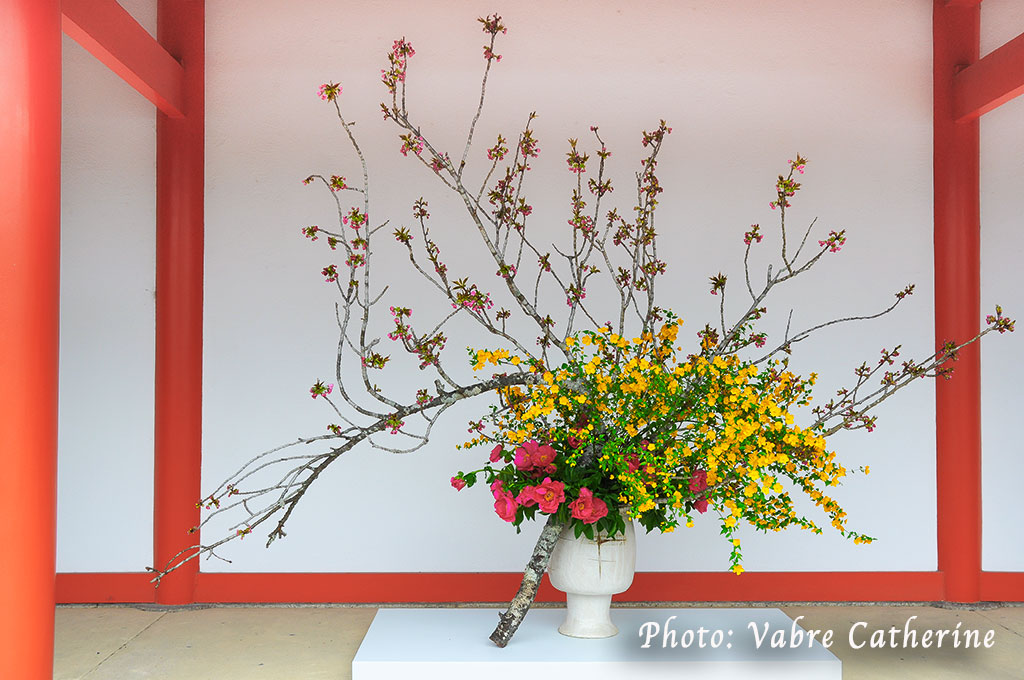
(294,489)
(509,622)
(492,24)
(853,408)
(804,334)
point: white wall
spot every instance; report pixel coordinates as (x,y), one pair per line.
(745,86)
(1002,248)
(105,446)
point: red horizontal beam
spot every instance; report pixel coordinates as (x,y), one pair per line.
(499,587)
(114,37)
(785,587)
(992,81)
(962,3)
(648,587)
(363,588)
(1000,586)
(90,588)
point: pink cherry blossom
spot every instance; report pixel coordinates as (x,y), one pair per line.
(320,389)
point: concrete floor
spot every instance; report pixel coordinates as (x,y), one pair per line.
(239,643)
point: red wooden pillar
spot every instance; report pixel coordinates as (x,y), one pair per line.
(179,302)
(30,119)
(956,37)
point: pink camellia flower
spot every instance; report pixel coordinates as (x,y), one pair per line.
(573,441)
(496,453)
(588,509)
(544,456)
(526,497)
(523,459)
(505,506)
(497,488)
(458,483)
(633,462)
(547,495)
(701,504)
(698,481)
(532,454)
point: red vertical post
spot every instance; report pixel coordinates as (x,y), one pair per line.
(179,302)
(30,120)
(956,37)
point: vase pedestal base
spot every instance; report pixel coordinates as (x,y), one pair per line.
(452,644)
(588,616)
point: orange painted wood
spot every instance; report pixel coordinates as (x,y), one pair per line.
(991,82)
(498,587)
(30,123)
(180,188)
(956,37)
(88,588)
(111,35)
(439,588)
(786,587)
(362,588)
(1002,586)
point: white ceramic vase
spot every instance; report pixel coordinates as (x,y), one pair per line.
(589,572)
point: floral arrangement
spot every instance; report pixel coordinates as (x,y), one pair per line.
(625,424)
(595,422)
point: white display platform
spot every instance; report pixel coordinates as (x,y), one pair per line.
(452,644)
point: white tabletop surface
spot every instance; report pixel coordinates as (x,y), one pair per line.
(453,643)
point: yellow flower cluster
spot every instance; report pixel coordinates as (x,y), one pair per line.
(484,357)
(669,436)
